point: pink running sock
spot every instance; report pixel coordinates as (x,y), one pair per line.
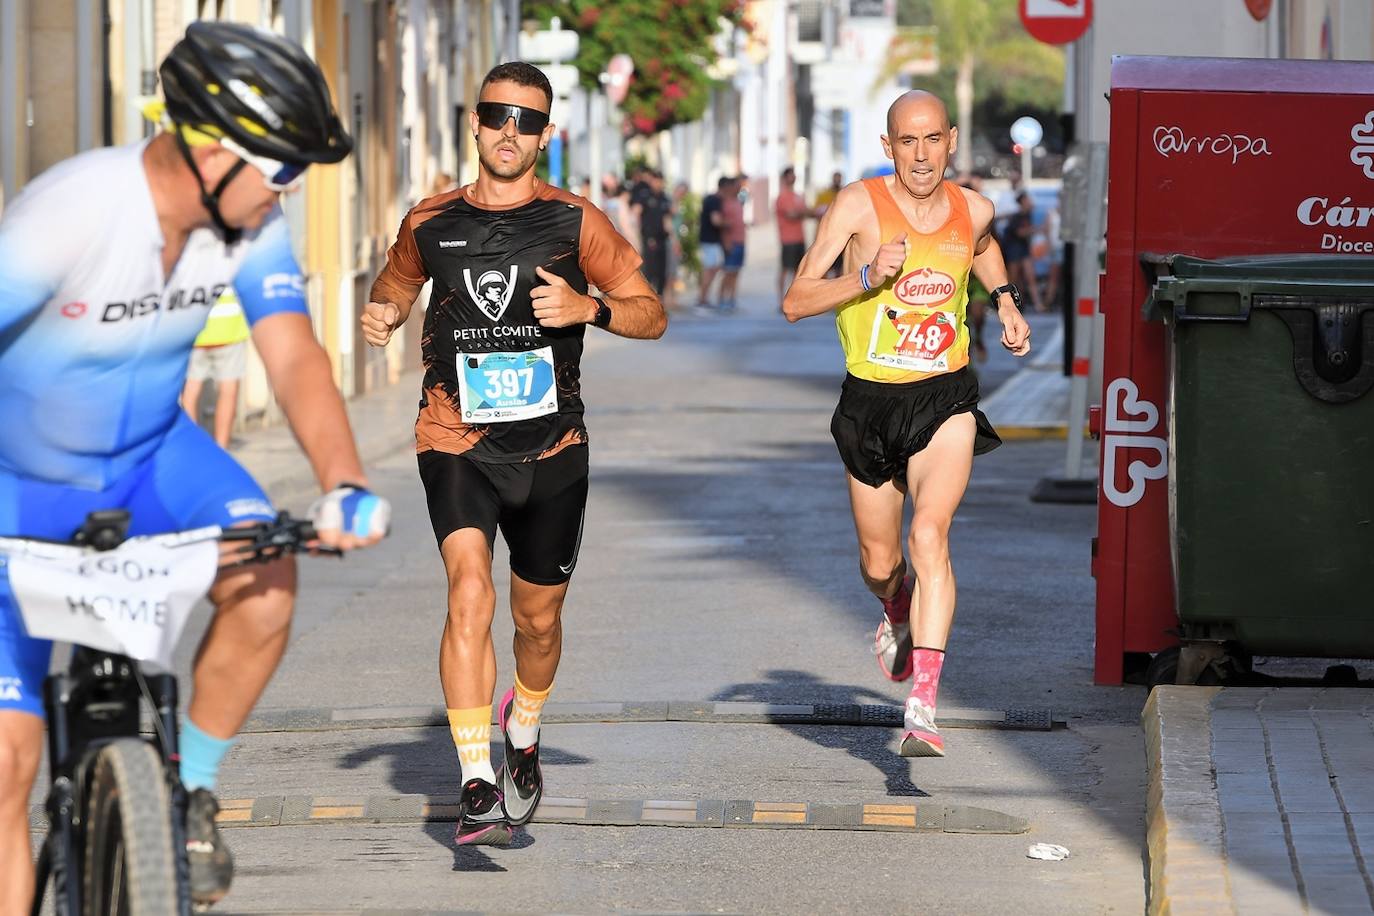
(925,682)
(898,607)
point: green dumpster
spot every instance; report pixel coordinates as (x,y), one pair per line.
(1271,450)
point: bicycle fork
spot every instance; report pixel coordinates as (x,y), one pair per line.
(163,690)
(58,857)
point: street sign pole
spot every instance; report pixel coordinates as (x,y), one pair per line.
(1026,133)
(552,48)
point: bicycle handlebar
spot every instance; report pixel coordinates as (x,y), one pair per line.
(270,540)
(265,541)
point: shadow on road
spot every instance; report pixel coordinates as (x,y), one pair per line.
(871,745)
(428,766)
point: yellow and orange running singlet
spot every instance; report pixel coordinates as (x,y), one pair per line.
(912,327)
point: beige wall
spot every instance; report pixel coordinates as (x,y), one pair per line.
(347,215)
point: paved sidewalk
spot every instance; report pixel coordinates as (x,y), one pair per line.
(1260,800)
(383,424)
(1034,403)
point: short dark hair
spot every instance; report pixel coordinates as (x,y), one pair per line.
(789,171)
(521,74)
(722,182)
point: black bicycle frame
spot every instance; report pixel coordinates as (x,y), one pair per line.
(95,701)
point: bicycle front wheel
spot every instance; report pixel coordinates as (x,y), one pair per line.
(129,862)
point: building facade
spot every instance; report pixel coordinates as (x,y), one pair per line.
(74,74)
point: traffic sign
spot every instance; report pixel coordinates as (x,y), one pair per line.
(1026,131)
(616,77)
(1056,22)
(553,45)
(1259,8)
(562,78)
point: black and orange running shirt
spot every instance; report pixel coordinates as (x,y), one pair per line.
(499,386)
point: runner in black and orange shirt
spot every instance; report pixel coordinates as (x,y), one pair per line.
(501,439)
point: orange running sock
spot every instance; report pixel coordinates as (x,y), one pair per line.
(471,730)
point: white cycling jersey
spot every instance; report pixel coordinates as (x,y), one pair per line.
(94,340)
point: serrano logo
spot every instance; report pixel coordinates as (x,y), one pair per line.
(1171,140)
(925,286)
(1362,154)
(493,290)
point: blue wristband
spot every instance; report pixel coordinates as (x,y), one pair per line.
(863,278)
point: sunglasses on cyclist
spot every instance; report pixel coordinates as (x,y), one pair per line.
(278,176)
(494,115)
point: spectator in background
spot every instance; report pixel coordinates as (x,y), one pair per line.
(582,187)
(616,205)
(1016,249)
(1006,203)
(677,218)
(791,212)
(732,235)
(709,237)
(1055,252)
(654,211)
(220,356)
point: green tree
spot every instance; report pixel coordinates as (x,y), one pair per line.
(984,50)
(669,40)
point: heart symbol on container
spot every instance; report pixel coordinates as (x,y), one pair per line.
(1123,400)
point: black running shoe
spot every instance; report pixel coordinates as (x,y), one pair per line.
(482,820)
(520,780)
(212,867)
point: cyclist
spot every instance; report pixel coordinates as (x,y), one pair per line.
(500,435)
(908,418)
(109,265)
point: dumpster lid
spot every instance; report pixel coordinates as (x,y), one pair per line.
(1298,266)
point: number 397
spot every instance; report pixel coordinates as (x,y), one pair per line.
(509,383)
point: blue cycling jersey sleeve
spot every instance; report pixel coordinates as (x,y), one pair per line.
(32,265)
(269,279)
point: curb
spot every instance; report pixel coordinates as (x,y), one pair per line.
(1184,835)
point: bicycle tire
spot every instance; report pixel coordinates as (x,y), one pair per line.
(129,864)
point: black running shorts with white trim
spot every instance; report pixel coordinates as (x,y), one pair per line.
(878,426)
(538,505)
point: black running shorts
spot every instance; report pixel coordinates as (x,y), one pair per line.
(792,254)
(879,426)
(538,505)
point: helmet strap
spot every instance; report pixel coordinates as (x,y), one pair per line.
(210,199)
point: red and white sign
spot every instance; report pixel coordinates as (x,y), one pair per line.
(1056,22)
(619,69)
(1259,8)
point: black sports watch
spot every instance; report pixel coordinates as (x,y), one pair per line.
(603,313)
(1007,288)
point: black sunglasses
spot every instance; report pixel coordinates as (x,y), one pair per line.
(494,115)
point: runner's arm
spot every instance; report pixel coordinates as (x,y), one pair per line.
(635,309)
(611,264)
(991,270)
(390,288)
(810,293)
(404,275)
